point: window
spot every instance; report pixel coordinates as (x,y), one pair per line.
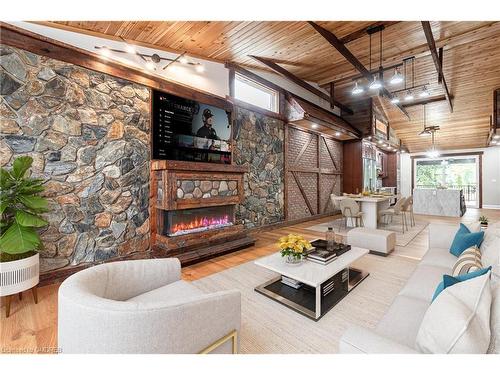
(255,93)
(450,172)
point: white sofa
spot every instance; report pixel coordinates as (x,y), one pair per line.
(397,330)
(142,306)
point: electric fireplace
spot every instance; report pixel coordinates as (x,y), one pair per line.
(181,222)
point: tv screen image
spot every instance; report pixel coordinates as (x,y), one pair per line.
(185,129)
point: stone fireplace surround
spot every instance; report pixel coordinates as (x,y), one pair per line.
(178,187)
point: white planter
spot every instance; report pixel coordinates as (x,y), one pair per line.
(19,275)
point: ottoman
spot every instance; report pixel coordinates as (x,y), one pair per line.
(378,241)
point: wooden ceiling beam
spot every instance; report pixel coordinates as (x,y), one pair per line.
(434,99)
(438,61)
(344,51)
(300,82)
(363,32)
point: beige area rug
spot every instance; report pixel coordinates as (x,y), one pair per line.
(402,239)
(269,327)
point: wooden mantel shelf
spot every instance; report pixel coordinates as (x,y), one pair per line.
(159,165)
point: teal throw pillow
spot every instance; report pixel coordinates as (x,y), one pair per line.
(465,239)
(450,280)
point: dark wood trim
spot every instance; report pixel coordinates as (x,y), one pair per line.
(302,191)
(300,82)
(332,95)
(326,118)
(480,180)
(254,108)
(440,74)
(342,49)
(450,154)
(330,153)
(475,153)
(303,149)
(298,127)
(434,99)
(44,46)
(363,32)
(197,166)
(439,68)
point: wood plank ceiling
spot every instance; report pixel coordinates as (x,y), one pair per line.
(471,62)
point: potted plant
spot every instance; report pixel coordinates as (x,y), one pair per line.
(20,209)
(292,248)
(483,220)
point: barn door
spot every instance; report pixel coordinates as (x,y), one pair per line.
(313,171)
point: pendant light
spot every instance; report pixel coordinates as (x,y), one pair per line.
(397,77)
(377,80)
(357,89)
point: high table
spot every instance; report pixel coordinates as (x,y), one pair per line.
(370,206)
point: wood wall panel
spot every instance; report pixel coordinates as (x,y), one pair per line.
(353,167)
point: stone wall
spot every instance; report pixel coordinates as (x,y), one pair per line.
(201,189)
(88,134)
(258,143)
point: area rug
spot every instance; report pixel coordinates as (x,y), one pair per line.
(402,239)
(269,327)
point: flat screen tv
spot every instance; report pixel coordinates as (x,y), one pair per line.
(185,129)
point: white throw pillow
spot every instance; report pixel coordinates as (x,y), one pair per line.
(458,321)
(490,249)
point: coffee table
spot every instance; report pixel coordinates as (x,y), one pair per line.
(311,299)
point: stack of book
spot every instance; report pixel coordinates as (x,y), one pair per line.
(320,254)
(291,282)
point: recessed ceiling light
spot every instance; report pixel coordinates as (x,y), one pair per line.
(395,100)
(379,141)
(200,68)
(314,126)
(337,134)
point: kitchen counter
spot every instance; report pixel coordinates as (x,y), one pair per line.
(439,202)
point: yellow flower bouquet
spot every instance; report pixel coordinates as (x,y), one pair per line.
(293,247)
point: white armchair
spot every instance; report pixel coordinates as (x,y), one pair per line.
(142,306)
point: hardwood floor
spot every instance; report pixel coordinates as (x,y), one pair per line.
(33,328)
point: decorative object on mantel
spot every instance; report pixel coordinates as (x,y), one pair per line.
(20,207)
(151,61)
(292,248)
(483,220)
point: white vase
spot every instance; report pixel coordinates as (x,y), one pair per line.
(19,275)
